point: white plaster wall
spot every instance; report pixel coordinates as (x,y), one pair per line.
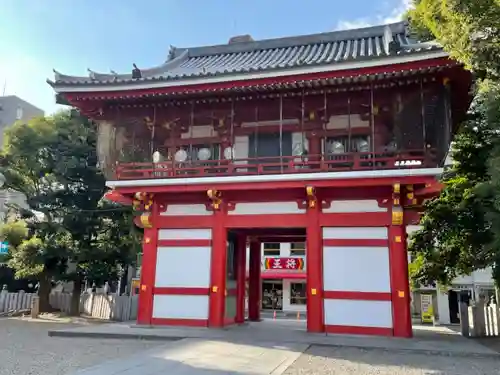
(185,234)
(365,205)
(443,307)
(241,145)
(180,307)
(266,208)
(356,269)
(352,233)
(358,313)
(199,131)
(186,210)
(183,267)
(286,298)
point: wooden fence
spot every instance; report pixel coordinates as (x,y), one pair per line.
(99,306)
(14,302)
(479,320)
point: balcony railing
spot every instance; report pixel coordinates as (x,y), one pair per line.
(279,165)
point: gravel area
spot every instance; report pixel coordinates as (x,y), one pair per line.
(26,349)
(344,361)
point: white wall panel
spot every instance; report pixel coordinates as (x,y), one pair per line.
(266,208)
(186,210)
(358,313)
(368,205)
(241,144)
(354,233)
(185,234)
(183,267)
(356,269)
(180,307)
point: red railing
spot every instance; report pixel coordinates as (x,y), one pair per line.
(278,165)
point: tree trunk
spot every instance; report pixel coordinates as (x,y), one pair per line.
(74,309)
(44,293)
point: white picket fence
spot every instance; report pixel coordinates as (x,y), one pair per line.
(99,306)
(480,320)
(12,302)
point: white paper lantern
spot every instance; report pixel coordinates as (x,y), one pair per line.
(156,157)
(337,148)
(181,156)
(204,154)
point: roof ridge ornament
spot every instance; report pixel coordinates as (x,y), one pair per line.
(171,53)
(136,72)
(57,75)
(92,74)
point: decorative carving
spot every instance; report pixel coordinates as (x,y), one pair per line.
(312,200)
(142,201)
(410,196)
(397,217)
(216,198)
(396,194)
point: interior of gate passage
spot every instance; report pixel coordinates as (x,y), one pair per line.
(333,139)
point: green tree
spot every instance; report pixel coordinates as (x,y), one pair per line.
(467,29)
(62,180)
(460,228)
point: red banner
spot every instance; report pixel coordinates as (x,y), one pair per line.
(284,263)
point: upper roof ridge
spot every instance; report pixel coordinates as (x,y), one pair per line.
(301,40)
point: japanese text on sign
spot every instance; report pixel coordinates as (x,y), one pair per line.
(284,263)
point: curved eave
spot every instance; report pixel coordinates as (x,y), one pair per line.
(60,86)
(407,71)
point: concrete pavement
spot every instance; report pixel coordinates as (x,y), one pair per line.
(196,356)
(427,340)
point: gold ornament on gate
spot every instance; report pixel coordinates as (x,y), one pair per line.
(216,197)
(312,201)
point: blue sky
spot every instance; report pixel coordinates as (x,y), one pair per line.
(73,35)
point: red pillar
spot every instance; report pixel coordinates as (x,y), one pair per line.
(254,287)
(148,270)
(400,286)
(241,274)
(218,272)
(314,268)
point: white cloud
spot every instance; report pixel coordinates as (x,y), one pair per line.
(394,15)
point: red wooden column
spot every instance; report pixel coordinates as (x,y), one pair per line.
(218,269)
(148,268)
(254,282)
(241,274)
(398,257)
(314,265)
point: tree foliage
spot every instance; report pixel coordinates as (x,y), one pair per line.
(53,161)
(461,228)
(467,29)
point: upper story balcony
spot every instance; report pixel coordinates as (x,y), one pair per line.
(391,126)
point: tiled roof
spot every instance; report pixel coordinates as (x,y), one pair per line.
(336,47)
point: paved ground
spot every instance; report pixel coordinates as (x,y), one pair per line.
(346,361)
(26,349)
(427,339)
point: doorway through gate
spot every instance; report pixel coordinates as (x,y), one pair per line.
(249,290)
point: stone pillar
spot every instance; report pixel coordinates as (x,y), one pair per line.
(241,274)
(255,283)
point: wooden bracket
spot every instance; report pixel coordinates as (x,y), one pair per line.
(312,200)
(215,197)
